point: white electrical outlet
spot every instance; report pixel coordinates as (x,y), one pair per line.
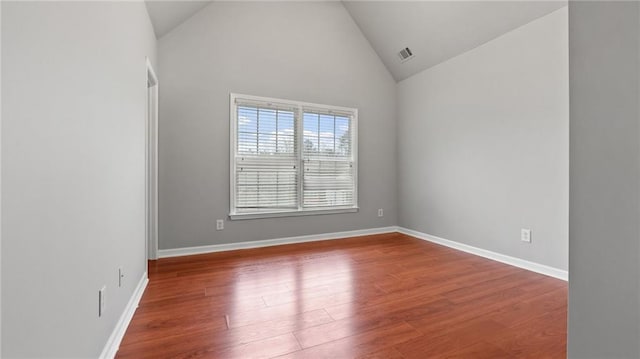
(102,294)
(525,235)
(120,276)
(219,224)
(380,212)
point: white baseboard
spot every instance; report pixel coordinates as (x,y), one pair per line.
(516,262)
(503,258)
(113,344)
(165,253)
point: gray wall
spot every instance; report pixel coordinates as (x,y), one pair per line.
(604,259)
(483,144)
(73,114)
(0,184)
(307,51)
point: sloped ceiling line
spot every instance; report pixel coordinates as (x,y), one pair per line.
(167,15)
(435,31)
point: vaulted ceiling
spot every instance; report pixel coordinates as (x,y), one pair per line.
(435,31)
(167,15)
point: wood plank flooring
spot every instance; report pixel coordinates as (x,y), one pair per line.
(385,296)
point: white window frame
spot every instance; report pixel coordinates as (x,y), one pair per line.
(300,106)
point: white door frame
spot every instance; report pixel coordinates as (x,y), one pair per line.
(151,165)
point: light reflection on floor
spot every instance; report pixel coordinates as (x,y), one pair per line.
(287,296)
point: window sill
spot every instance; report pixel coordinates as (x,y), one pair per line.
(241,216)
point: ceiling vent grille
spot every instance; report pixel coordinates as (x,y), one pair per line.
(405,54)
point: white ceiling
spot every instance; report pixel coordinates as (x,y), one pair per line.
(435,31)
(438,30)
(166,15)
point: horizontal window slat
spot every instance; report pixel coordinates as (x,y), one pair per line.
(277,168)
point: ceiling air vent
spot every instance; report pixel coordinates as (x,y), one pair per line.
(405,54)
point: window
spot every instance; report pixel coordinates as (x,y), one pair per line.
(291,158)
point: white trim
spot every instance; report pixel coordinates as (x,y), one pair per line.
(151,72)
(233,128)
(151,163)
(498,257)
(177,252)
(299,108)
(303,212)
(503,258)
(113,344)
(293,103)
(354,154)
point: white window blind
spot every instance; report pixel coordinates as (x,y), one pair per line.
(266,158)
(328,161)
(290,158)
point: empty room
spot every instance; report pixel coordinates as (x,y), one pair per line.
(320,179)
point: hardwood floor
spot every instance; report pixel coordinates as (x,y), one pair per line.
(385,296)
